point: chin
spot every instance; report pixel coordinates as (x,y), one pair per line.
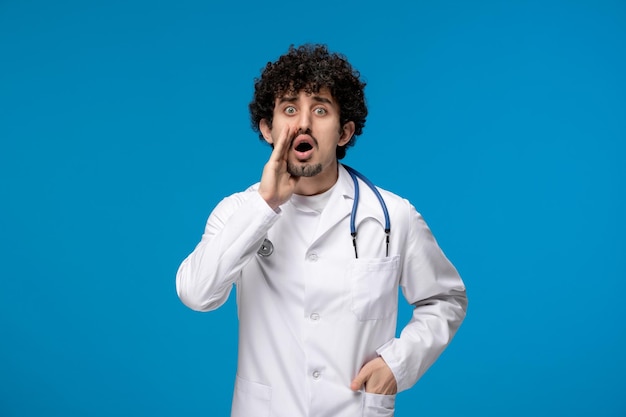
(303,169)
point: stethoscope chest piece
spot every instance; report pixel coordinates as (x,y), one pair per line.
(266,249)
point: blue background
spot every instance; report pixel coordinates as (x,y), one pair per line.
(123,123)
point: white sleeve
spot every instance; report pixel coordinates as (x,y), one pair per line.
(233,234)
(433,286)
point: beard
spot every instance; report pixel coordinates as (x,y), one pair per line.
(304,170)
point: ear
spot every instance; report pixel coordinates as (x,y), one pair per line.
(266,131)
(347,131)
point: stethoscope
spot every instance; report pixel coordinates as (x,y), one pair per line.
(353,230)
(267,248)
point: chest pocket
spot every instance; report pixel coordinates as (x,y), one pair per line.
(374,287)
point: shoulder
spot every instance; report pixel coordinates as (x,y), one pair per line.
(403,215)
(395,202)
(243,195)
(235,200)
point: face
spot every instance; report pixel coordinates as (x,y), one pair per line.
(314,117)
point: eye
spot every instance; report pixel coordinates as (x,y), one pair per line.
(290,110)
(320,111)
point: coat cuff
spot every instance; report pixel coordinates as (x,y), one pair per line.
(394,362)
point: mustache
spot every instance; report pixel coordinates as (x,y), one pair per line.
(306,132)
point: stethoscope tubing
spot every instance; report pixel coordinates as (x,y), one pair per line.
(356,175)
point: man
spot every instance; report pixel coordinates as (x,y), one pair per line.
(317,309)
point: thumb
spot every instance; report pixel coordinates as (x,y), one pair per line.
(359,380)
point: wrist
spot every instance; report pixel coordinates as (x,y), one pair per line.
(273,203)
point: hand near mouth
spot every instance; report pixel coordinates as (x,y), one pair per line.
(277,184)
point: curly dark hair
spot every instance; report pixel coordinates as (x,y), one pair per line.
(311,67)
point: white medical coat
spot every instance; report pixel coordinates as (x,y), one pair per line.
(310,314)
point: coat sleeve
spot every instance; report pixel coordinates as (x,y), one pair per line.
(233,234)
(433,286)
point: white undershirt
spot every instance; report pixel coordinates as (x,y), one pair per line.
(308,212)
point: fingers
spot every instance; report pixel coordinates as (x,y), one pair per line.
(281,146)
(376,377)
(359,380)
(277,184)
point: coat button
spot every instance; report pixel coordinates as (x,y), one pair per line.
(315,317)
(313,257)
(316,374)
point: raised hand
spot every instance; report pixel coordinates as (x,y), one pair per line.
(277,184)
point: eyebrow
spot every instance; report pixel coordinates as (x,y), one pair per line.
(292,99)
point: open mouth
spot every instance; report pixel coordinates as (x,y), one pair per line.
(303,147)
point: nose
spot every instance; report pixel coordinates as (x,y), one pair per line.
(304,122)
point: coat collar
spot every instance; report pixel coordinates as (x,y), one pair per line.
(340,205)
